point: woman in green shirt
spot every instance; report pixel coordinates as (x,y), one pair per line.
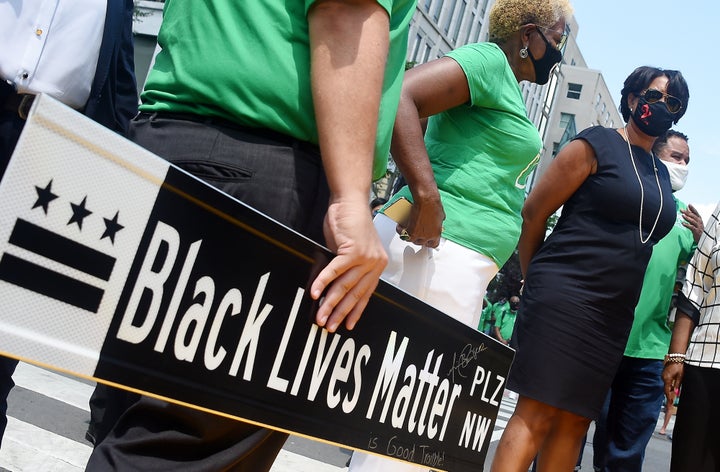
(466,176)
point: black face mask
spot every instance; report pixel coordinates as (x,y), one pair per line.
(544,65)
(514,306)
(653,119)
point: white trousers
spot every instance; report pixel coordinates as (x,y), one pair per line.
(451,278)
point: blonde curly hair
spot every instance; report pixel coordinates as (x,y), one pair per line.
(507,16)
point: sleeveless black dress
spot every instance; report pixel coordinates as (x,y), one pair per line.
(584,282)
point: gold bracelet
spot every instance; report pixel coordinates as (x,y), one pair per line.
(674,358)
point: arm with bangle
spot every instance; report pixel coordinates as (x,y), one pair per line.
(698,282)
(674,369)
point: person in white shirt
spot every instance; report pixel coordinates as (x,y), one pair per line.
(693,360)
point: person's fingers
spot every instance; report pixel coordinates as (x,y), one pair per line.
(422,226)
(352,306)
(347,297)
(332,279)
(332,311)
(692,215)
(672,376)
(693,221)
(347,281)
(323,279)
(668,391)
(350,278)
(667,379)
(419,240)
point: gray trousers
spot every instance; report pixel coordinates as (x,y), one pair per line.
(284,179)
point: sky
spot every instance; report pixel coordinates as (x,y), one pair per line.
(616,36)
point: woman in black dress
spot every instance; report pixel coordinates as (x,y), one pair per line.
(582,283)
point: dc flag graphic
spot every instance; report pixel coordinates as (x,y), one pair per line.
(48,245)
(73,215)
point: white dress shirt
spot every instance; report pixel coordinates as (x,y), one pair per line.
(51,46)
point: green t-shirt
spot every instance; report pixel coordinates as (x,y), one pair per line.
(486,317)
(482,153)
(499,308)
(650,334)
(506,323)
(249,62)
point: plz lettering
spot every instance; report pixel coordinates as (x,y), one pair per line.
(488,387)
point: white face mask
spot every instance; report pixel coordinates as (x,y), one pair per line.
(678,174)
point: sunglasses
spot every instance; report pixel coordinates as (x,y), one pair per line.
(673,104)
(560,45)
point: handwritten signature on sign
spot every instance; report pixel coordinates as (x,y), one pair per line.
(463,360)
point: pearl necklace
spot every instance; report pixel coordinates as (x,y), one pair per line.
(642,191)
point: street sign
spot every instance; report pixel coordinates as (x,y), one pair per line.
(119,267)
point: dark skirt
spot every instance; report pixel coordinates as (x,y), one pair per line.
(567,354)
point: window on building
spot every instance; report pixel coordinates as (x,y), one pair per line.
(478,37)
(565,119)
(471,27)
(449,8)
(574,91)
(416,46)
(428,3)
(482,7)
(426,53)
(567,122)
(459,21)
(533,110)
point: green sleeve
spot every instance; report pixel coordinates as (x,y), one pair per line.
(484,66)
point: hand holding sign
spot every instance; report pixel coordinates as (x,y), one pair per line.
(353,274)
